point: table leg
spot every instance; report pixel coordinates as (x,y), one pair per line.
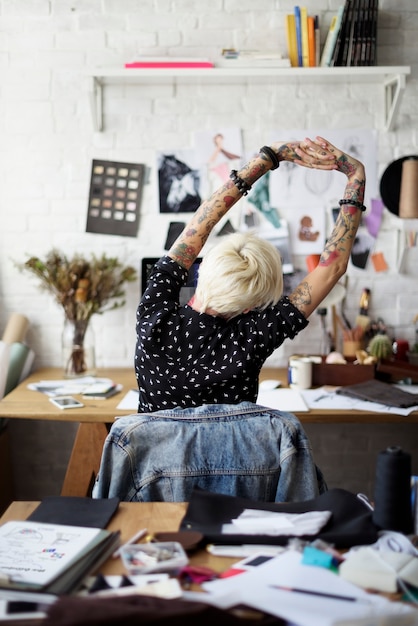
(84,462)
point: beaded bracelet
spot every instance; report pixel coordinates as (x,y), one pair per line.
(355,203)
(271,155)
(242,186)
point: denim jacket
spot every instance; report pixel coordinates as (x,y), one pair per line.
(242,450)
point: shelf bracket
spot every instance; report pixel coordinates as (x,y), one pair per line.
(96,103)
(394,87)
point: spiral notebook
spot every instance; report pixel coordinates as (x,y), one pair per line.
(378,391)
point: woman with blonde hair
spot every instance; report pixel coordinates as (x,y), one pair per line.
(211,350)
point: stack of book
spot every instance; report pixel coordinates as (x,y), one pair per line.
(169,62)
(352,36)
(303,38)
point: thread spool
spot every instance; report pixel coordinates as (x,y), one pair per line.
(408,196)
(392,498)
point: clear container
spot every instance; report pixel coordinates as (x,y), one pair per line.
(144,558)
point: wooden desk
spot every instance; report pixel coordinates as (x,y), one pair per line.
(94,419)
(130,516)
(96,416)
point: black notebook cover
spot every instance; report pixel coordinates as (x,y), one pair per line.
(378,391)
(75,511)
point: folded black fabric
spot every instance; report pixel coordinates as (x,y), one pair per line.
(378,391)
(75,511)
(143,610)
(350,524)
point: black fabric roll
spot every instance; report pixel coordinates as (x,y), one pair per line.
(392,496)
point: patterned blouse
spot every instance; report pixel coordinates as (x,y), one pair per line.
(185,358)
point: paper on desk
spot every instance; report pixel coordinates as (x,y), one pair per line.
(129,402)
(67,386)
(256,589)
(282,399)
(326,398)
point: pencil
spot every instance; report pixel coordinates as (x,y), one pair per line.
(321,594)
(136,537)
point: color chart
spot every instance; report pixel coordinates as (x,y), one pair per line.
(115,197)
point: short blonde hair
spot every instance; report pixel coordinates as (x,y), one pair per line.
(241,272)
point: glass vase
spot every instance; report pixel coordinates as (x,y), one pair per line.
(78,349)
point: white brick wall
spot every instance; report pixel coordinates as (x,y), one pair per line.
(47,140)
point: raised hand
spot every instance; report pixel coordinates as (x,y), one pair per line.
(307,153)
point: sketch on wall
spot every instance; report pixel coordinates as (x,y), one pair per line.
(218,151)
(178,182)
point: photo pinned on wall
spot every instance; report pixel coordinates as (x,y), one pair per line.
(362,247)
(178,182)
(307,228)
(115,198)
(259,197)
(218,151)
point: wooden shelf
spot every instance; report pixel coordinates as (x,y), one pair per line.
(391,80)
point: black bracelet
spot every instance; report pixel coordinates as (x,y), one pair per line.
(242,186)
(358,205)
(271,155)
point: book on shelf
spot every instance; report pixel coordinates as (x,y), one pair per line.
(298,28)
(304,36)
(50,558)
(169,62)
(373,19)
(331,38)
(317,41)
(292,46)
(345,50)
(311,42)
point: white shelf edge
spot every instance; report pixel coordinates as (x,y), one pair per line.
(393,79)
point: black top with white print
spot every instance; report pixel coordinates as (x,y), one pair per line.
(184,358)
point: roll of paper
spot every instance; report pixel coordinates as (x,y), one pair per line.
(408,196)
(4,365)
(16,328)
(17,358)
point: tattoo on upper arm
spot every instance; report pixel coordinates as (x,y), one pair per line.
(302,296)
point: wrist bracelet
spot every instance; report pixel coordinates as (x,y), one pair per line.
(271,155)
(242,186)
(358,205)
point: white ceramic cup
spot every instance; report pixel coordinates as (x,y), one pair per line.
(300,372)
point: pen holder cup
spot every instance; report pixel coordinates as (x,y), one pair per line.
(350,348)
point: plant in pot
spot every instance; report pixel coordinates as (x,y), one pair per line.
(83,287)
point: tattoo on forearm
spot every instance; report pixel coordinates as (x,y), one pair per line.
(344,231)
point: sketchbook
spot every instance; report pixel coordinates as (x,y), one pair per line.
(51,558)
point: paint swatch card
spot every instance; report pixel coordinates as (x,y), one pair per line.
(115,197)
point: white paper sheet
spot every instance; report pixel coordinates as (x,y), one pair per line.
(129,402)
(327,398)
(258,588)
(282,399)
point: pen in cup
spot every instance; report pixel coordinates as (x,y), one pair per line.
(136,537)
